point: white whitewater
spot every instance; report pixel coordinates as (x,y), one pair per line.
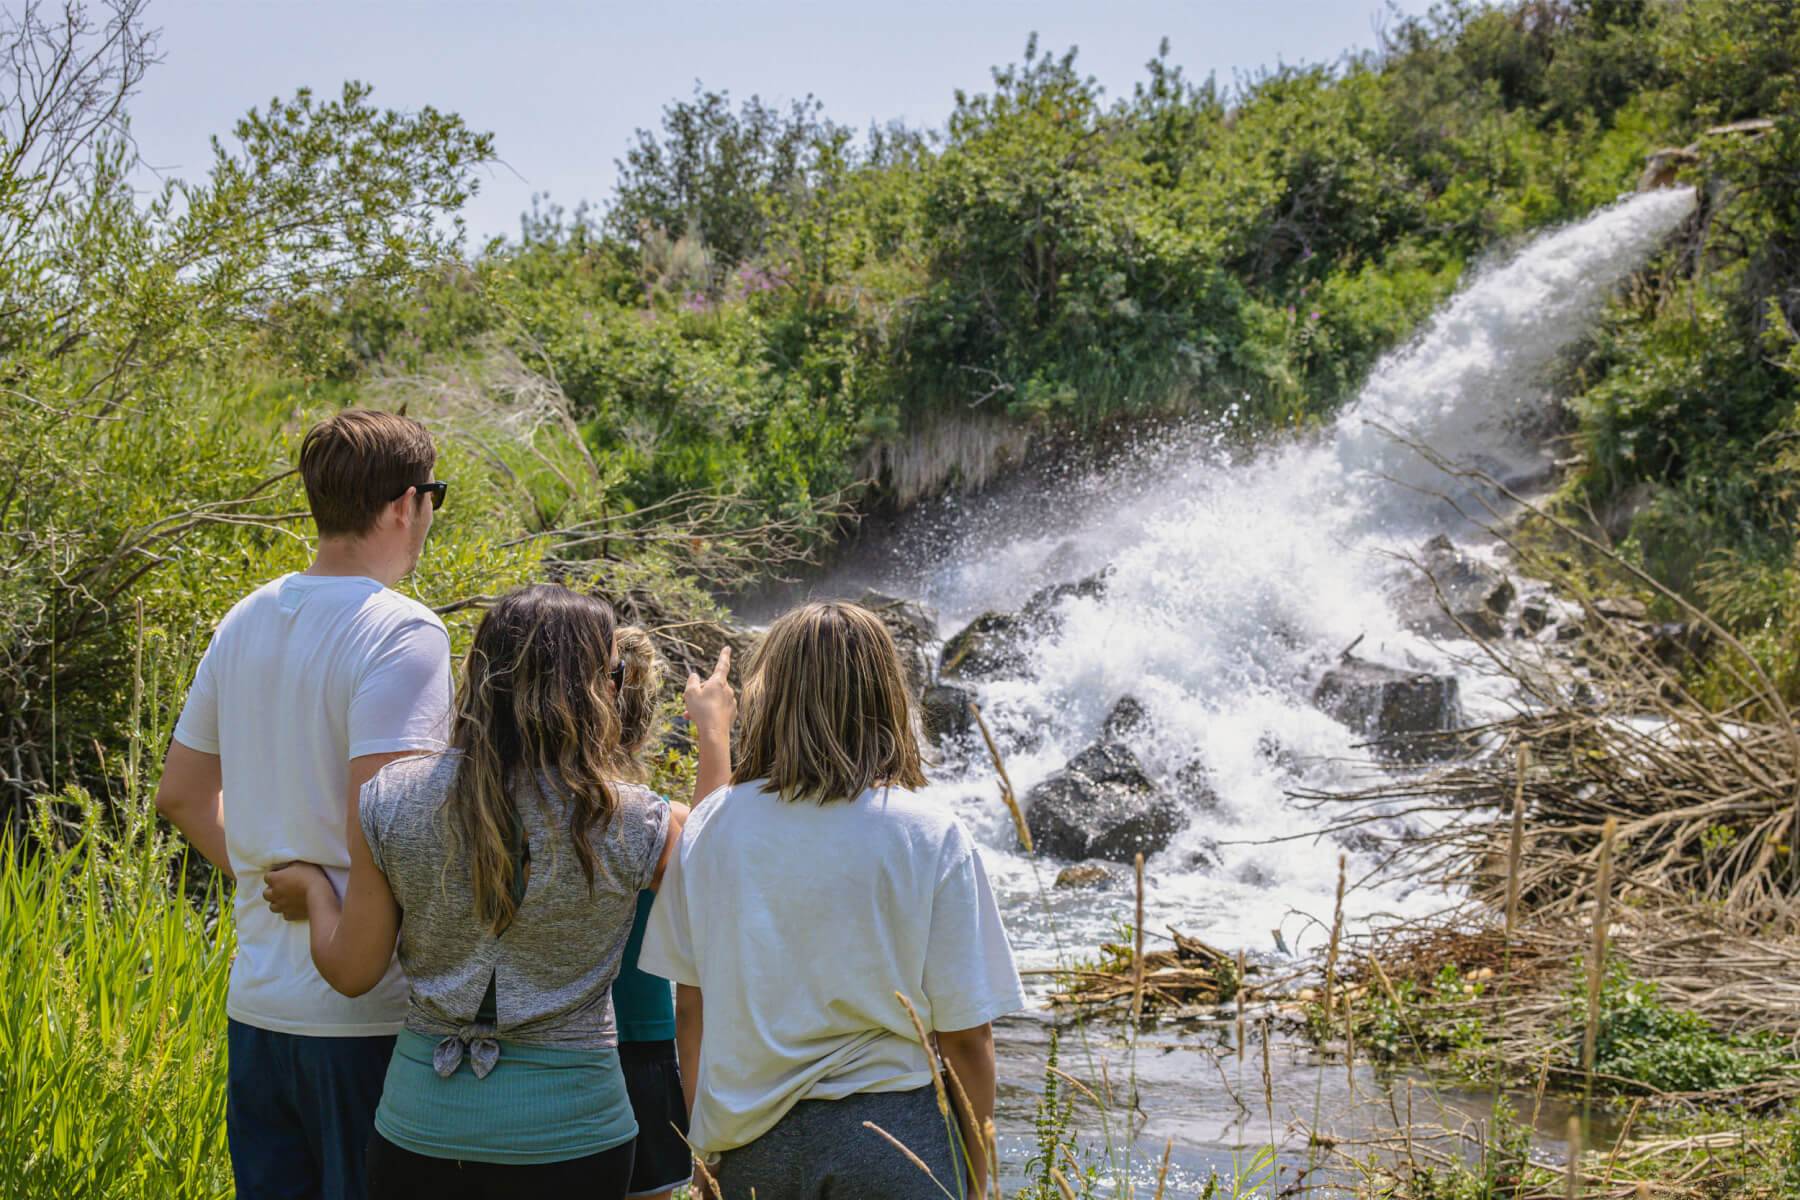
(1235,583)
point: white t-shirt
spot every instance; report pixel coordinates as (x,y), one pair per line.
(799,922)
(303,675)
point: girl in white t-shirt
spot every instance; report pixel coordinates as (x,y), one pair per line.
(802,905)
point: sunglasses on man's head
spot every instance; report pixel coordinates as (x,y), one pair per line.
(435,490)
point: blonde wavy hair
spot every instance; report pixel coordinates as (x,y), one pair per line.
(536,709)
(640,685)
(826,710)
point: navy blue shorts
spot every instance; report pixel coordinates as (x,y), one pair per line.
(299,1111)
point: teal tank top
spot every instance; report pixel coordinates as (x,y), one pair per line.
(643,1005)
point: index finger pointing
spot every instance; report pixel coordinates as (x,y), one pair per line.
(724,663)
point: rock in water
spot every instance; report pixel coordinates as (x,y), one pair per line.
(1040,609)
(1126,720)
(1194,788)
(944,711)
(996,645)
(1085,875)
(914,627)
(992,646)
(1101,805)
(1474,594)
(1391,706)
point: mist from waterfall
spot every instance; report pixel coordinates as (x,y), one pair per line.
(1235,583)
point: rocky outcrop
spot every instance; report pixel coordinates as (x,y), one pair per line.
(1125,721)
(1454,593)
(1397,709)
(1101,805)
(944,711)
(914,627)
(992,646)
(997,645)
(1662,168)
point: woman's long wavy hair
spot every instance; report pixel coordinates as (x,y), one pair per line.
(827,714)
(536,709)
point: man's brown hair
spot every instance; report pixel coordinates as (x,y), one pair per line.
(358,462)
(827,714)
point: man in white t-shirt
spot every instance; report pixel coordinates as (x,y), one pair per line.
(310,684)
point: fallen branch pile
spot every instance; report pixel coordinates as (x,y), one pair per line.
(1175,981)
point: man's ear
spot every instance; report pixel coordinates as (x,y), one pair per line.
(402,509)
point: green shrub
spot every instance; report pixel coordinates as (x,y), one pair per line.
(1644,1040)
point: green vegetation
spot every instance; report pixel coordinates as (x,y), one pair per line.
(113,1078)
(791,321)
(1645,1043)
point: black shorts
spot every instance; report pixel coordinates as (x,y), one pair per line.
(653,1077)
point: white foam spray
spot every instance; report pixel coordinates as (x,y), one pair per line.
(1234,585)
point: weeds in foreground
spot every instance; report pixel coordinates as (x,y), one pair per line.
(112,1050)
(1646,1043)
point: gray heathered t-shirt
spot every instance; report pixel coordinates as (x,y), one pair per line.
(553,967)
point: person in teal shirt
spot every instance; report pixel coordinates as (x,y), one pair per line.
(644,1005)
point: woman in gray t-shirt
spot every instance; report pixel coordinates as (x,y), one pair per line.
(509,868)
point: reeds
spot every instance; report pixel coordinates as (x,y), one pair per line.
(1007,795)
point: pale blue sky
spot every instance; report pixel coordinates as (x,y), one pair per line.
(562,84)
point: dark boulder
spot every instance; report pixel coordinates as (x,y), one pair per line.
(1126,720)
(1474,596)
(992,646)
(1193,788)
(944,711)
(914,627)
(1040,609)
(1101,805)
(997,645)
(1204,857)
(1679,644)
(1399,710)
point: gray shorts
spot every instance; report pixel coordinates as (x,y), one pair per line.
(820,1151)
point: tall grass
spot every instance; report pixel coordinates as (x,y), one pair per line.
(112,1021)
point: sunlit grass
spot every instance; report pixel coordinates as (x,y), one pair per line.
(112,1025)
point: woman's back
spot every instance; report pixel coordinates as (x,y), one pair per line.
(551,968)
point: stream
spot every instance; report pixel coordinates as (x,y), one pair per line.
(1234,578)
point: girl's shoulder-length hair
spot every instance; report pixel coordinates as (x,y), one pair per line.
(826,710)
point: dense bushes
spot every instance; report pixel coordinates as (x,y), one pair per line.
(772,311)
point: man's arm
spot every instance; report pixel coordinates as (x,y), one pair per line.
(189,798)
(969,1053)
(689,1020)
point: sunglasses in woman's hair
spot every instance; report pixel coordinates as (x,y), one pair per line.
(435,490)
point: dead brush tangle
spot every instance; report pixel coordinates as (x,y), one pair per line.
(1706,869)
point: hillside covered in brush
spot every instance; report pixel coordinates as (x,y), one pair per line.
(776,322)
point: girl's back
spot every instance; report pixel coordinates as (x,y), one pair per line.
(553,965)
(800,923)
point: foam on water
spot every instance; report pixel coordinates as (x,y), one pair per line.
(1235,583)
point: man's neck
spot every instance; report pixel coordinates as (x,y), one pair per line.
(356,556)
